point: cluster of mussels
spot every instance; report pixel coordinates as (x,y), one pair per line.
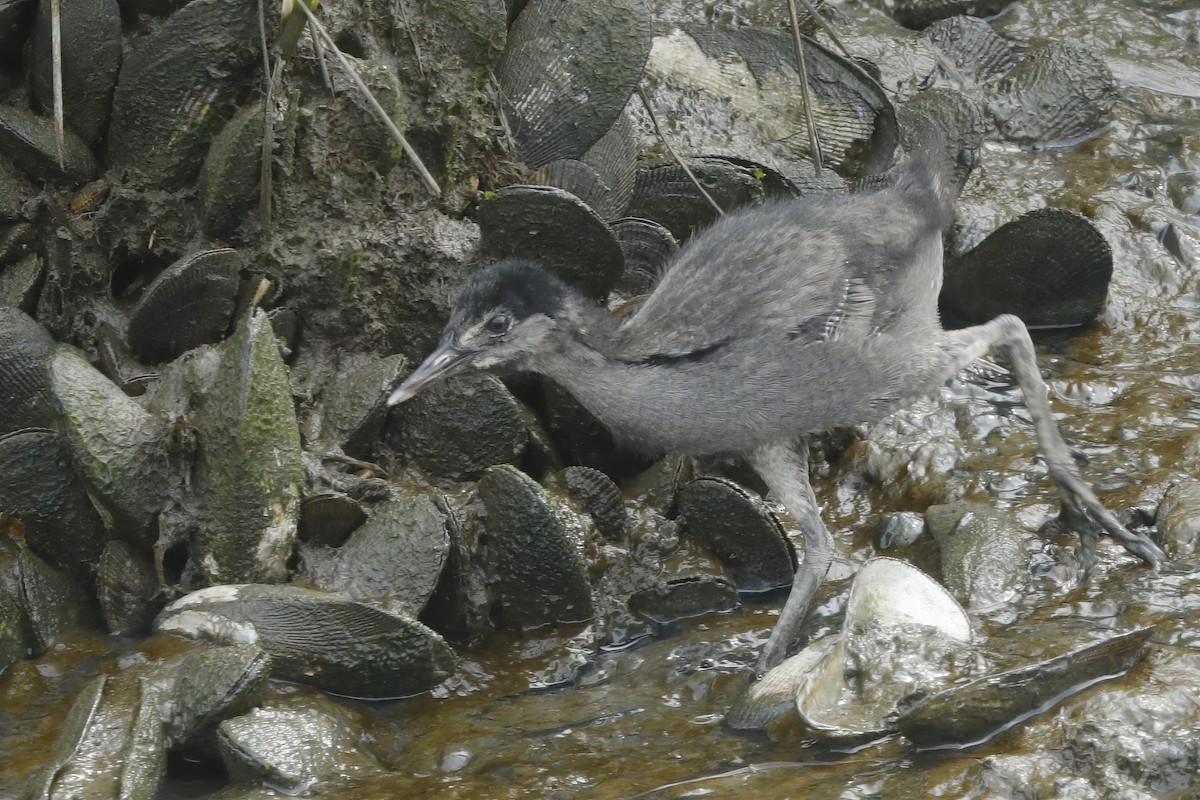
(153,443)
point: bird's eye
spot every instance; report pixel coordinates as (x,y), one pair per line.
(498,324)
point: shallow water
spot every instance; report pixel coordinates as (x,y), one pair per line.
(647,721)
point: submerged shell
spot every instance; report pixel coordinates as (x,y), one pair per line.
(251,470)
(335,644)
(1060,93)
(1050,267)
(24,382)
(119,450)
(180,85)
(919,13)
(568,71)
(31,142)
(397,555)
(555,228)
(737,93)
(983,553)
(537,544)
(38,485)
(90,57)
(973,712)
(289,750)
(739,530)
(189,304)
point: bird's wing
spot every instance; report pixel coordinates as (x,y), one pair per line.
(813,269)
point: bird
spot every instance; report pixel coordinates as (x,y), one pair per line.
(777,322)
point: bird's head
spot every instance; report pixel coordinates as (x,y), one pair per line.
(499,321)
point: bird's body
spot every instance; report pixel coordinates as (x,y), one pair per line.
(790,318)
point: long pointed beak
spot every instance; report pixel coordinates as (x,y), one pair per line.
(443,362)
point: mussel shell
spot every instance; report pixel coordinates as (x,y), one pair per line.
(289,750)
(179,86)
(189,304)
(462,426)
(568,71)
(555,228)
(979,53)
(737,93)
(16,241)
(397,555)
(329,519)
(337,645)
(950,119)
(38,485)
(683,597)
(24,383)
(973,712)
(250,471)
(229,179)
(15,18)
(919,13)
(355,405)
(1059,93)
(537,545)
(739,530)
(983,553)
(31,142)
(90,57)
(126,586)
(118,448)
(666,195)
(774,694)
(1050,267)
(21,283)
(214,684)
(1178,520)
(599,496)
(648,247)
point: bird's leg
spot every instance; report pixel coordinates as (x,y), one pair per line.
(1081,508)
(784,468)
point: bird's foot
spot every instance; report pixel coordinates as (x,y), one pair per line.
(1087,516)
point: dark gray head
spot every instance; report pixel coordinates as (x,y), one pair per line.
(501,317)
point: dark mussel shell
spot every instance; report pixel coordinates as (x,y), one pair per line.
(568,71)
(91,55)
(1050,267)
(189,304)
(648,247)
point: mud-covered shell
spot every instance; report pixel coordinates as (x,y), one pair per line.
(974,711)
(647,246)
(537,546)
(719,92)
(21,283)
(229,178)
(119,449)
(179,86)
(126,587)
(355,405)
(50,602)
(250,467)
(38,485)
(287,749)
(30,141)
(740,531)
(568,71)
(90,57)
(1050,267)
(189,304)
(335,644)
(1059,93)
(978,52)
(462,426)
(329,518)
(214,684)
(24,382)
(555,228)
(397,555)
